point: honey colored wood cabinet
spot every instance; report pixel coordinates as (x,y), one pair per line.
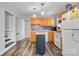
(42,21)
(51,22)
(33,37)
(51,38)
(35,21)
(47,22)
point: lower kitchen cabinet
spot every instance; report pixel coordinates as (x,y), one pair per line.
(51,38)
(33,37)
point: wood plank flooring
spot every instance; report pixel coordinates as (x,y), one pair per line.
(26,48)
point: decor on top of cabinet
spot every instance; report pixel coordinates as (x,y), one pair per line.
(59,21)
(61,13)
(69,7)
(64,17)
(59,28)
(76,4)
(74,14)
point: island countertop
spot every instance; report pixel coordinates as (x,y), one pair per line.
(40,33)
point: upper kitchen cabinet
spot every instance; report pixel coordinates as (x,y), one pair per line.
(42,21)
(51,22)
(35,21)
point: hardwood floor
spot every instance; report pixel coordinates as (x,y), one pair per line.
(55,50)
(26,48)
(22,46)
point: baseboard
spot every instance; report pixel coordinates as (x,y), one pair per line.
(7,49)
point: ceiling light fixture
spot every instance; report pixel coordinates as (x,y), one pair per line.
(42,4)
(34,8)
(42,13)
(34,16)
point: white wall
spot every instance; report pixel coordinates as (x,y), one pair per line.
(2,33)
(18,28)
(22,28)
(27,28)
(23,25)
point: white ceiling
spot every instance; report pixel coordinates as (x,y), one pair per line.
(26,8)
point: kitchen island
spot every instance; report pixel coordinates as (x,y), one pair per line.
(49,36)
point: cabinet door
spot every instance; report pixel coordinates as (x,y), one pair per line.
(51,36)
(33,37)
(35,21)
(47,22)
(44,22)
(51,22)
